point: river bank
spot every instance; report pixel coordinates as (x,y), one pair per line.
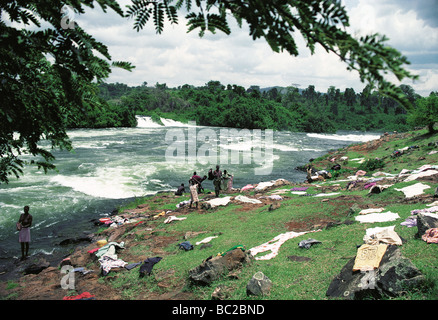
(146,234)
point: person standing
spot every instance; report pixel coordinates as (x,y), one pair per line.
(217,180)
(193,193)
(24,224)
(227,181)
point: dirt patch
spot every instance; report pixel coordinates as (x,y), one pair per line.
(310,224)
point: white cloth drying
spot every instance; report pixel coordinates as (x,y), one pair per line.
(275,244)
(414,190)
(378,217)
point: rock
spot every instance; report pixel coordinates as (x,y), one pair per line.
(258,285)
(353,210)
(219,293)
(81,257)
(274,206)
(37,267)
(394,275)
(213,268)
(77,240)
(425,222)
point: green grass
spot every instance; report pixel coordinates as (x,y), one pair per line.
(292,280)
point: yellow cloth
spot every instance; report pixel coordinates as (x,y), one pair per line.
(369,256)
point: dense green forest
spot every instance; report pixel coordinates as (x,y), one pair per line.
(280,108)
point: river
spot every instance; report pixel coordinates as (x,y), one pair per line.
(110,167)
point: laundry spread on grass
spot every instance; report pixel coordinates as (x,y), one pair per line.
(274,245)
(247,199)
(219,201)
(371,210)
(378,217)
(205,240)
(431,235)
(414,190)
(174,218)
(378,235)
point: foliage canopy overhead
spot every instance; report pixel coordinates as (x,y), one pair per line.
(48,74)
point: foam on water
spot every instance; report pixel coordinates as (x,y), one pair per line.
(348,137)
(147,122)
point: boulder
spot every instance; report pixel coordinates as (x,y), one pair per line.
(77,240)
(213,268)
(37,266)
(394,275)
(425,222)
(259,285)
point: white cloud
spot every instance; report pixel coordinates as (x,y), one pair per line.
(176,57)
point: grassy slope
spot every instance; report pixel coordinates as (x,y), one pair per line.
(252,226)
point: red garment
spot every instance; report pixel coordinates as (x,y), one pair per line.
(139,223)
(84,295)
(93,250)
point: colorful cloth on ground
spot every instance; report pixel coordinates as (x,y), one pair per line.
(83,296)
(275,244)
(369,256)
(431,235)
(186,245)
(239,246)
(247,187)
(107,263)
(410,222)
(106,247)
(426,210)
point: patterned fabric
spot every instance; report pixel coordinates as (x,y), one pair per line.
(107,263)
(431,235)
(369,256)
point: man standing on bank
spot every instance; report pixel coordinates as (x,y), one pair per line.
(24,224)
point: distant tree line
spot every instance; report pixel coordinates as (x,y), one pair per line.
(279,108)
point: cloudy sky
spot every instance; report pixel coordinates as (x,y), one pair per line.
(176,57)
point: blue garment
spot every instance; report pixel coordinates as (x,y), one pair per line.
(148,265)
(186,245)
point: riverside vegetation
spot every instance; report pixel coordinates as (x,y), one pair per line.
(278,108)
(253,224)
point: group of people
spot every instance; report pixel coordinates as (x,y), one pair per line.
(221,181)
